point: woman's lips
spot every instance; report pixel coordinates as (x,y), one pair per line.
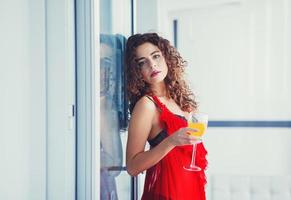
(153,74)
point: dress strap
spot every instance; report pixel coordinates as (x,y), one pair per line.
(159,103)
(154,101)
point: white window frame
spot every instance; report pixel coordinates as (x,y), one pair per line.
(88,100)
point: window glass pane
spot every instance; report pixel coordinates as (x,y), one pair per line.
(114,29)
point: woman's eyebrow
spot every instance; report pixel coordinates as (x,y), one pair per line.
(155,52)
(138,59)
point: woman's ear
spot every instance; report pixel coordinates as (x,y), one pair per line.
(140,76)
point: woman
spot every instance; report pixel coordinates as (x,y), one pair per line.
(160,102)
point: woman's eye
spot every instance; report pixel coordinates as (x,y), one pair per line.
(140,64)
(156,56)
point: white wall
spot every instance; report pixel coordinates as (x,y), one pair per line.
(23,103)
(238,54)
(37,144)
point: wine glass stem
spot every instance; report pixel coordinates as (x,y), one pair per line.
(193,155)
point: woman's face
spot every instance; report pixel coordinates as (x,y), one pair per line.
(151,63)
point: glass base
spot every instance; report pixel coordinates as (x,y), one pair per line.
(192,168)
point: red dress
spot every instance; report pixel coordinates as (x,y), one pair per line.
(168,180)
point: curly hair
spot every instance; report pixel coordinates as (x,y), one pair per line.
(177,88)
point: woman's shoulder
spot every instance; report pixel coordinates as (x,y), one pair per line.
(145,104)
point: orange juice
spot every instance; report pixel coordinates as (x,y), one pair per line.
(200,127)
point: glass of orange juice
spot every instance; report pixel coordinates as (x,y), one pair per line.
(199,122)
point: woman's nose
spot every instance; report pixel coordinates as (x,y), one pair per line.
(152,64)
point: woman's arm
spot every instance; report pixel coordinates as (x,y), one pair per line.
(138,160)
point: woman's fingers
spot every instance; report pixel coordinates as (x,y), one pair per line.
(190,137)
(188,129)
(186,138)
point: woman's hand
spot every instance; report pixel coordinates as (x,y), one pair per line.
(182,137)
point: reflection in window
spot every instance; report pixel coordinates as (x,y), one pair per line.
(113,112)
(115,24)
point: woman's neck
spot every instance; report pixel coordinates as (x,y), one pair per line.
(159,89)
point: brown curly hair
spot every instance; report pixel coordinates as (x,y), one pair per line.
(177,89)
